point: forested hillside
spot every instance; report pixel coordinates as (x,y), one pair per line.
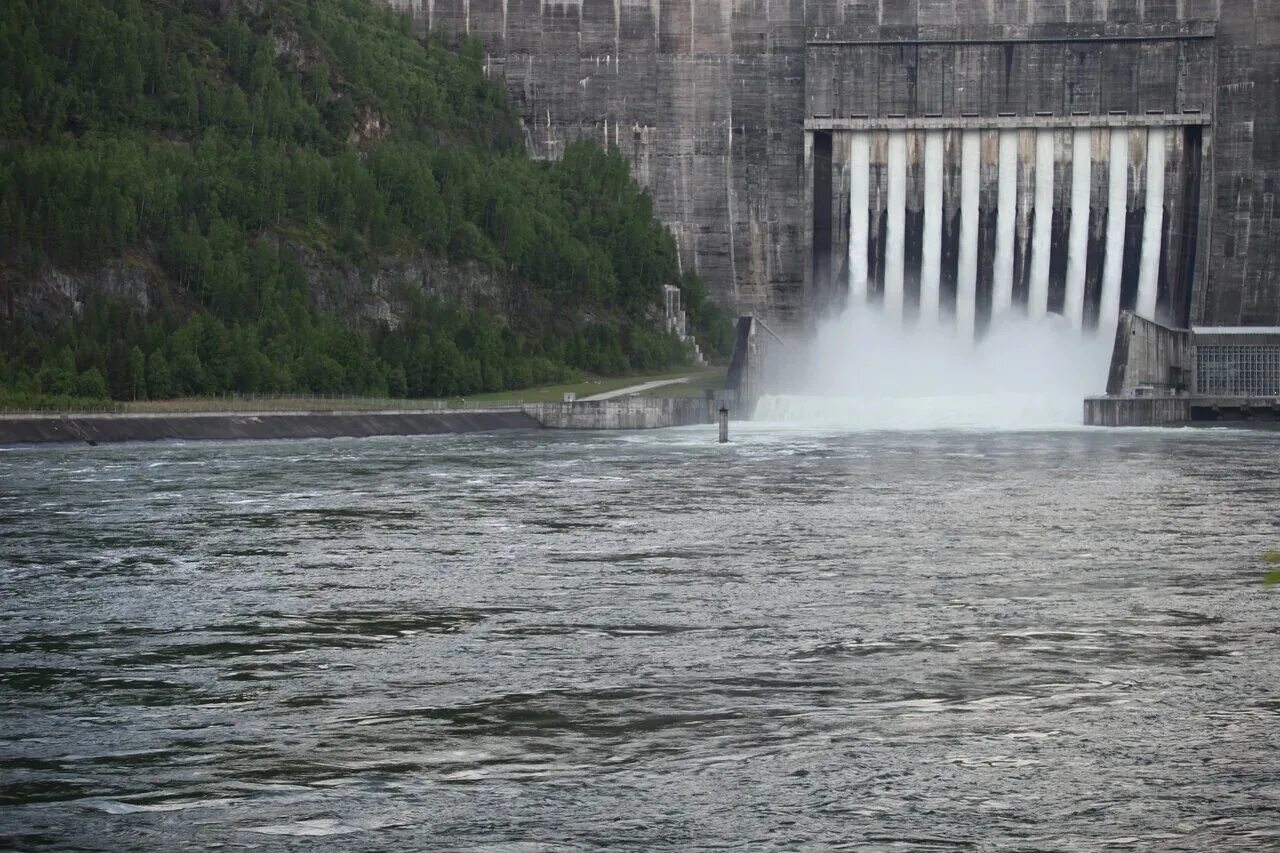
(236,148)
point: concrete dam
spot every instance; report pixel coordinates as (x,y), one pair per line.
(752,121)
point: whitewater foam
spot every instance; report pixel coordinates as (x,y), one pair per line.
(860,372)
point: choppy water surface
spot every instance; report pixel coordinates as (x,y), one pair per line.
(1050,641)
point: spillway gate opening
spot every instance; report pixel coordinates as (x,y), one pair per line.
(960,222)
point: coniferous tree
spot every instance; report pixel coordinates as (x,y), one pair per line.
(138,374)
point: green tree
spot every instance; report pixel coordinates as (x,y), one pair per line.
(138,374)
(159,379)
(58,375)
(91,385)
(173,134)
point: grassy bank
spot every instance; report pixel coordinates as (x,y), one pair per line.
(698,382)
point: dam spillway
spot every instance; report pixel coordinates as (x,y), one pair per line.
(941,207)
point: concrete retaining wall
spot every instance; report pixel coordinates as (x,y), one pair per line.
(1257,411)
(629,413)
(224,426)
(757,353)
(1136,411)
(1148,355)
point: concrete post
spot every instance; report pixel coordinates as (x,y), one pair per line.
(724,424)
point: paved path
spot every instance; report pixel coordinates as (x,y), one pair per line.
(633,389)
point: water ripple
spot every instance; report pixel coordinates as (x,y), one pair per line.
(877,641)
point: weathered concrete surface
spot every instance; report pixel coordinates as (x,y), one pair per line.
(1241,411)
(1137,411)
(1163,376)
(112,428)
(1259,412)
(1262,411)
(631,413)
(757,352)
(1150,357)
(708,99)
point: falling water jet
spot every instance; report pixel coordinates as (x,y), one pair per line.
(859,202)
(894,254)
(931,257)
(1113,263)
(967,272)
(1006,218)
(1038,295)
(1078,235)
(1152,224)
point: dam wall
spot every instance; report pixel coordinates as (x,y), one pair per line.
(735,115)
(1151,358)
(1137,411)
(758,359)
(624,413)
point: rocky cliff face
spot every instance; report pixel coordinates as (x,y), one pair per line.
(57,293)
(375,292)
(707,100)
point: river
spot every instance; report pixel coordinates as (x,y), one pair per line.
(1035,640)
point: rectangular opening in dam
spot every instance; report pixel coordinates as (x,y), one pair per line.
(820,181)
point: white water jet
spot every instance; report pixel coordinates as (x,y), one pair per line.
(931,256)
(1152,226)
(860,372)
(1006,219)
(1078,235)
(859,202)
(894,244)
(967,269)
(1041,231)
(1113,262)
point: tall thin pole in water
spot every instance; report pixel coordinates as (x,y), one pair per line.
(931,256)
(894,251)
(1113,263)
(1078,236)
(1006,218)
(967,271)
(859,201)
(1042,229)
(1152,225)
